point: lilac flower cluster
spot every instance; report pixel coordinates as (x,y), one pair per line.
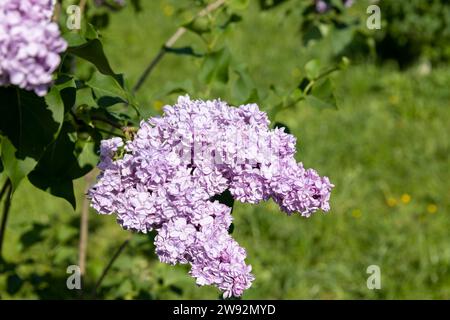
(30,44)
(167,176)
(323,5)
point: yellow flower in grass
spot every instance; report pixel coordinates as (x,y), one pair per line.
(168,10)
(432,208)
(405,198)
(158,105)
(356,213)
(391,202)
(296,73)
(394,99)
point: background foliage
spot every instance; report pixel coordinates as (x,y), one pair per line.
(385,147)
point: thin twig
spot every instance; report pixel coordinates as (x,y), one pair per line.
(169,43)
(109,265)
(84,224)
(82,5)
(6,208)
(56,12)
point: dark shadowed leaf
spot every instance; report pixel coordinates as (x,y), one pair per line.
(176,289)
(67,89)
(92,51)
(33,235)
(29,125)
(14,283)
(311,34)
(234,18)
(136,4)
(107,86)
(183,51)
(312,69)
(60,165)
(16,168)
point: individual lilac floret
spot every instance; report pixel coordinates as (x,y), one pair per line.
(169,176)
(323,6)
(30,44)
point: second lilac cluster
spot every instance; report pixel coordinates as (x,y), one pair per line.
(30,44)
(167,177)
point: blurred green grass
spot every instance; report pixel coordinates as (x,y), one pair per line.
(386,149)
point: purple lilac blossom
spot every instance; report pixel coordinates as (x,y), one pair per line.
(169,173)
(30,44)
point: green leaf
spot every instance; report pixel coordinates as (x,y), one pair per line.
(92,51)
(67,89)
(312,69)
(85,97)
(340,38)
(87,157)
(89,31)
(15,168)
(74,39)
(56,106)
(215,66)
(199,26)
(105,87)
(322,95)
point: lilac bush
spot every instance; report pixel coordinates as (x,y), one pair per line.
(166,177)
(30,44)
